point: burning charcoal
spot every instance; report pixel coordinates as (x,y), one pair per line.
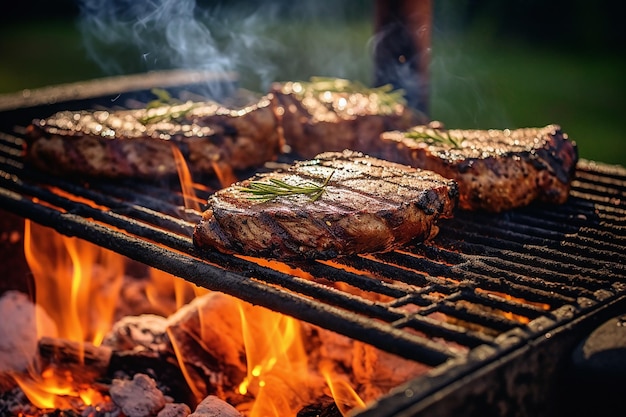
(86,361)
(327,345)
(70,352)
(174,410)
(379,371)
(141,345)
(139,397)
(212,406)
(209,336)
(324,408)
(132,332)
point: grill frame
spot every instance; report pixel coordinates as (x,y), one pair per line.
(588,279)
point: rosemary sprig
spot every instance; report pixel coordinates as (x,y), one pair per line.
(176,112)
(267,191)
(385,94)
(434,135)
(163,98)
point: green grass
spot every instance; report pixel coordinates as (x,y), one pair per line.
(476,82)
(40,53)
(507,85)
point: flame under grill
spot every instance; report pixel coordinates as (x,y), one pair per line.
(487,285)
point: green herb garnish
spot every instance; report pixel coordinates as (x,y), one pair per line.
(386,96)
(163,99)
(176,112)
(435,136)
(266,191)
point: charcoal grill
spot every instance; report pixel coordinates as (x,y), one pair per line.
(494,304)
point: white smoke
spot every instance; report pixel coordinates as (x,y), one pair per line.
(262,41)
(132,36)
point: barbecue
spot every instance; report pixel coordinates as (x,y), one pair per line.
(513,292)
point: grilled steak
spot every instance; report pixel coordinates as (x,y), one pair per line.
(495,170)
(367,205)
(138,143)
(327,115)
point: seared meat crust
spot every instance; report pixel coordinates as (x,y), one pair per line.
(138,143)
(496,170)
(313,122)
(369,205)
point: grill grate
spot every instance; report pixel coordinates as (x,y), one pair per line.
(483,278)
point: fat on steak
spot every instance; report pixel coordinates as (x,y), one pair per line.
(496,170)
(368,205)
(138,143)
(330,115)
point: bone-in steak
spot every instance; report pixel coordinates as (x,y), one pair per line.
(367,205)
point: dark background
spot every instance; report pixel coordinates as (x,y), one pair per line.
(495,64)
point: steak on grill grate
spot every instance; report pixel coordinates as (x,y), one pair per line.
(330,115)
(368,205)
(138,143)
(496,170)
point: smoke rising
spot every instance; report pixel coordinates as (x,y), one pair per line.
(260,41)
(133,36)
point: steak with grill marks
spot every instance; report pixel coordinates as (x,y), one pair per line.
(330,115)
(496,170)
(368,205)
(138,143)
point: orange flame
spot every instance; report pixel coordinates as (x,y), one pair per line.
(281,376)
(224,174)
(69,267)
(77,285)
(186,180)
(277,362)
(346,398)
(53,388)
(168,293)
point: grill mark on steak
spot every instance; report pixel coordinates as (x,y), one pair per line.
(368,205)
(380,197)
(496,170)
(137,143)
(313,122)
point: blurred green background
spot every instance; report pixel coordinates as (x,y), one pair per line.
(495,64)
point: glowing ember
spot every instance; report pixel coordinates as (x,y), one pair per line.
(56,389)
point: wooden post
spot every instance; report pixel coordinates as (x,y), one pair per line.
(402,48)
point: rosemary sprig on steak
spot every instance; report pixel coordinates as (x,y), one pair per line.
(434,135)
(165,108)
(267,191)
(385,95)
